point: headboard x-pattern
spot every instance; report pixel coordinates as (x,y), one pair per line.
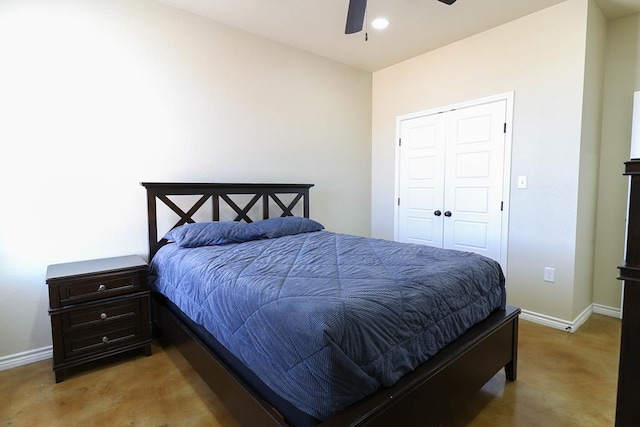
(216,192)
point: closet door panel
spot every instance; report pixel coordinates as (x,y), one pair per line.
(474,171)
(422,180)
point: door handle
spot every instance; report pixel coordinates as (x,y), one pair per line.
(447,213)
(437,213)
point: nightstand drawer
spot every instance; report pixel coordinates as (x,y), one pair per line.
(95,288)
(104,339)
(98,308)
(102,314)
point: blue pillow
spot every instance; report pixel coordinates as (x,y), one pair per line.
(283,226)
(213,233)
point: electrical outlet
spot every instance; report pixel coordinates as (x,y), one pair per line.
(549,274)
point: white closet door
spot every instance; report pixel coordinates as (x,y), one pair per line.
(474,175)
(451,177)
(422,161)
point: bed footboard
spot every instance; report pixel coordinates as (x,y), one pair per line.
(425,397)
(436,389)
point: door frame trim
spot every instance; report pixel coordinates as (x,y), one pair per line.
(506,181)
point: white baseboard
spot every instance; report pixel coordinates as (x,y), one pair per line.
(607,311)
(545,320)
(566,325)
(26,357)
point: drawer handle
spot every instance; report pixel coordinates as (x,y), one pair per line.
(103,316)
(102,287)
(105,339)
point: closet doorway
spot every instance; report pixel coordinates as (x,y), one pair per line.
(453,177)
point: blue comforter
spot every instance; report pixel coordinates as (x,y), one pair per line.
(326,319)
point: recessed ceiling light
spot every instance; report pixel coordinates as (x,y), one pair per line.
(380,23)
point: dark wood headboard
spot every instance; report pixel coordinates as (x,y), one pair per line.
(217,193)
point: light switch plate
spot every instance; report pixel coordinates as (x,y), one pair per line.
(522,181)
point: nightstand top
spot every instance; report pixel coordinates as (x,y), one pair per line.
(79,268)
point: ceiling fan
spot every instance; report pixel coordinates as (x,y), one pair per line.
(355,14)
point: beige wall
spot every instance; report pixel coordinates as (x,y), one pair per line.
(97,96)
(622,78)
(596,30)
(541,58)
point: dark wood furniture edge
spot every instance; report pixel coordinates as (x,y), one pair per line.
(105,265)
(451,376)
(632,167)
(144,345)
(628,397)
(115,270)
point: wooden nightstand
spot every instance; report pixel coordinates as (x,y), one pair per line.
(98,308)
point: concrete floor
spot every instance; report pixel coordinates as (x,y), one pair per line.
(563,380)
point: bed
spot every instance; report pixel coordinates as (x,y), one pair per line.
(242,369)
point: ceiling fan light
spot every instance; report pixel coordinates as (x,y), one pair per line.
(380,23)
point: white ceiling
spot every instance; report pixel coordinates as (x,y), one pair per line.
(416,26)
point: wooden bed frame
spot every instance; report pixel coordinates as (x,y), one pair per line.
(425,397)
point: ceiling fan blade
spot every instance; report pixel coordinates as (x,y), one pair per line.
(449,2)
(355,16)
